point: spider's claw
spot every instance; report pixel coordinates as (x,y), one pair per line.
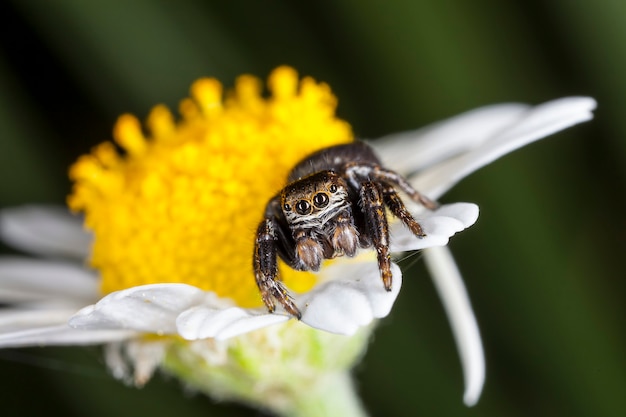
(279,291)
(267,300)
(415,227)
(291,308)
(386,276)
(276,290)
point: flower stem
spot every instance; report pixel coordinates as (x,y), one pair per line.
(334,396)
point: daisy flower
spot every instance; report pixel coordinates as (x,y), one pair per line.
(157,266)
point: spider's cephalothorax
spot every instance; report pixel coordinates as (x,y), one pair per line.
(333,204)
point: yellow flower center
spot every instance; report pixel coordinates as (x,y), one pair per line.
(183,204)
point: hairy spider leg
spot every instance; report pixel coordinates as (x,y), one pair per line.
(266,269)
(382,175)
(397,207)
(373,207)
(377,190)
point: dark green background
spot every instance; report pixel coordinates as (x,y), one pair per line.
(543,265)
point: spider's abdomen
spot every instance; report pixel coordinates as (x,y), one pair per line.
(334,159)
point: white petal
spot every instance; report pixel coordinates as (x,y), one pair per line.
(21,328)
(451,289)
(12,320)
(204,321)
(535,123)
(24,279)
(439,225)
(45,230)
(147,308)
(413,151)
(60,335)
(352,296)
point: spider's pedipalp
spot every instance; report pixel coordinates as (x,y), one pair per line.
(309,253)
(345,237)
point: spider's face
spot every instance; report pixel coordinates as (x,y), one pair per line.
(312,201)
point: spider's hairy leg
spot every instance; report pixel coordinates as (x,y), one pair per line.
(390,177)
(397,207)
(372,204)
(266,269)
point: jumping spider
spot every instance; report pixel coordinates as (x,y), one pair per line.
(334,203)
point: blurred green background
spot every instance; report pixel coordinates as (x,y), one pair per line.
(543,265)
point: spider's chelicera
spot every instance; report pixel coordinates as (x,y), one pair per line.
(333,204)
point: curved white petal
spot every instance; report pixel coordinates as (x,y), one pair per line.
(13,320)
(352,296)
(45,230)
(59,335)
(409,152)
(451,289)
(147,308)
(201,322)
(439,225)
(24,279)
(533,124)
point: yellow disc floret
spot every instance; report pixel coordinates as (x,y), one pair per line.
(183,204)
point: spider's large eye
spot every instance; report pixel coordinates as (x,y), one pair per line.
(320,200)
(303,207)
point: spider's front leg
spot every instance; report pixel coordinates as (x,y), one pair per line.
(397,207)
(266,268)
(392,178)
(373,206)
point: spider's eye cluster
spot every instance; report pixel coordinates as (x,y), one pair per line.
(311,193)
(303,207)
(320,200)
